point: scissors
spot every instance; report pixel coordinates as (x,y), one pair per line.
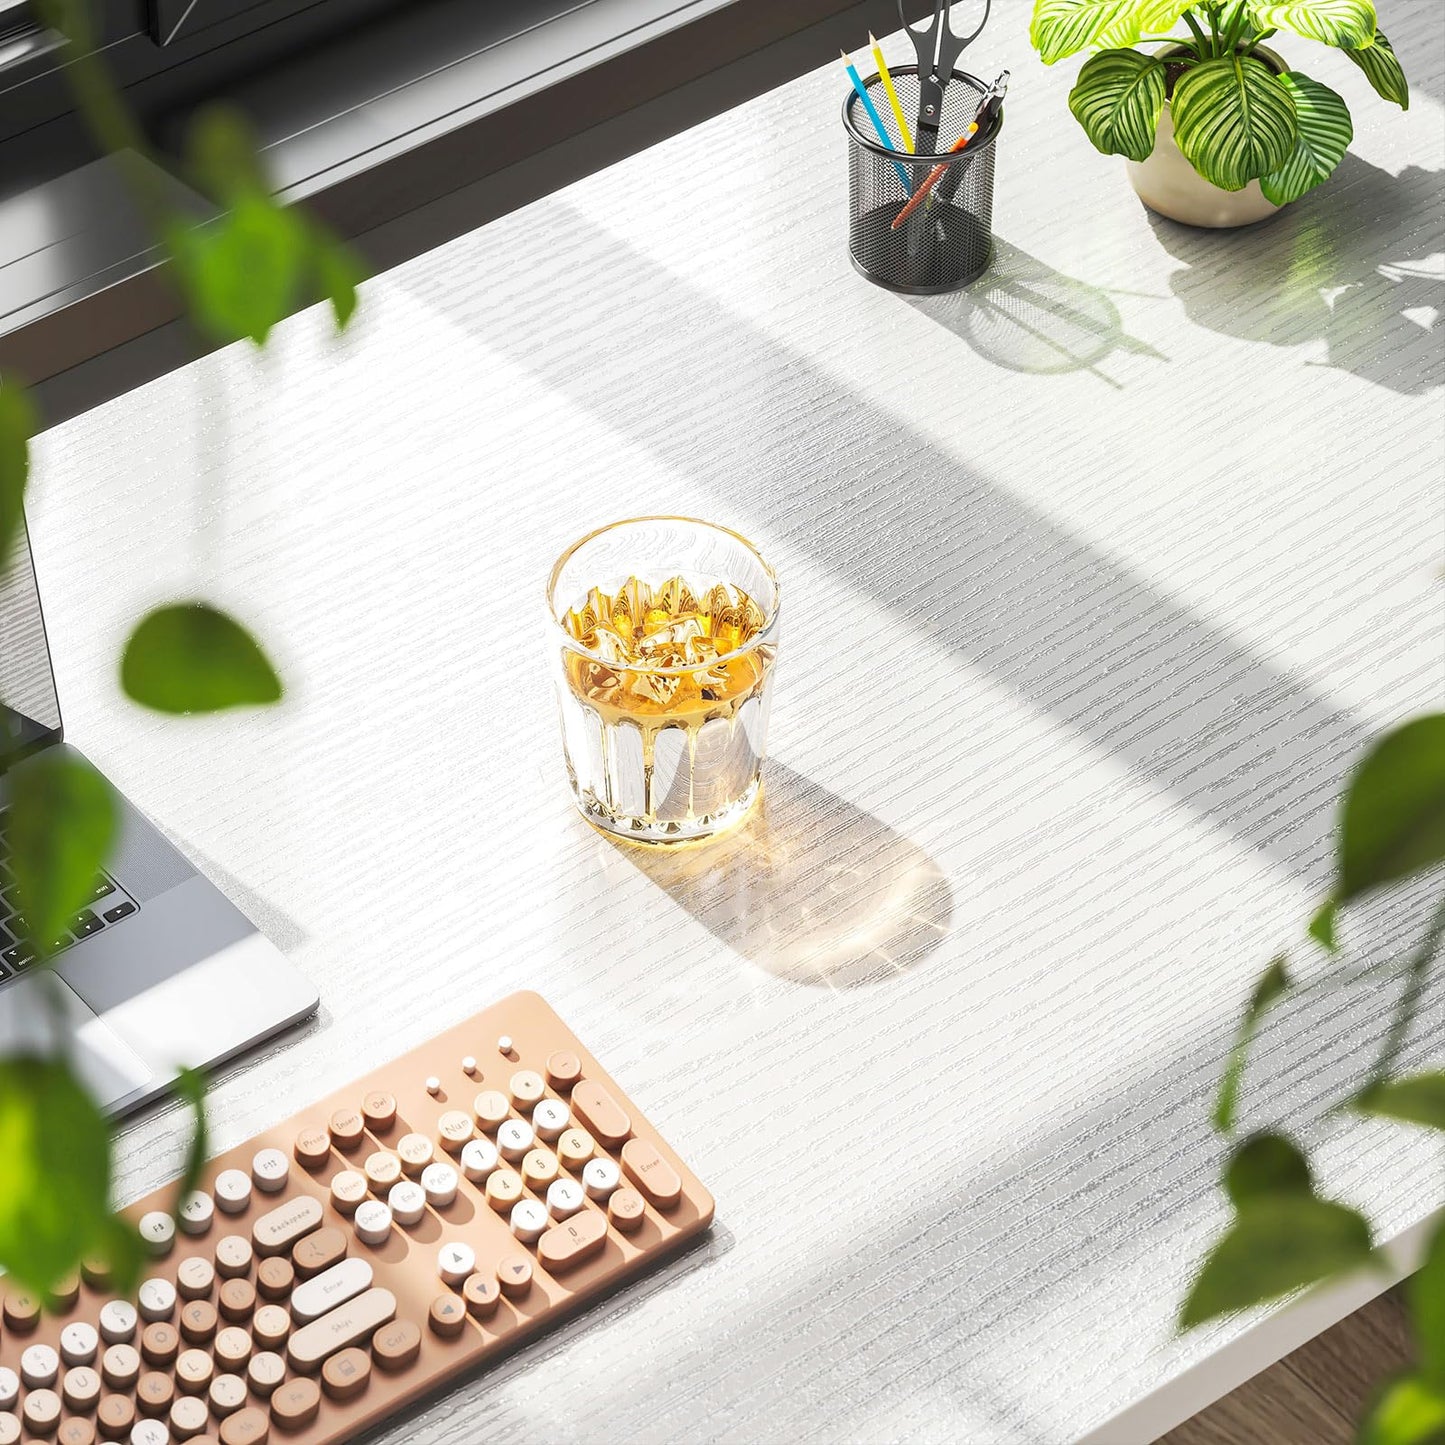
(938,49)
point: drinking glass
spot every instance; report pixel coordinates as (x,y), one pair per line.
(664,634)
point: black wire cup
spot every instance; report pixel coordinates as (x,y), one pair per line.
(948,239)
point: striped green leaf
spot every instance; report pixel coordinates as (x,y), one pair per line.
(1233,120)
(1065,27)
(1117,100)
(1157,17)
(1324,133)
(1383,70)
(1343,23)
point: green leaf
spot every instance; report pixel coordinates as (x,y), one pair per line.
(1117,99)
(1392,823)
(55,1186)
(224,154)
(1322,926)
(190,1085)
(62,824)
(1342,23)
(1382,69)
(1410,1411)
(1264,1166)
(1275,1246)
(1415,1099)
(242,272)
(339,273)
(1325,132)
(189,658)
(17,426)
(1233,120)
(1064,27)
(1273,982)
(1426,1292)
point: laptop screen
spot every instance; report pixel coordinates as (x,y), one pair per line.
(29,709)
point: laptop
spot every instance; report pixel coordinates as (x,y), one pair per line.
(160,969)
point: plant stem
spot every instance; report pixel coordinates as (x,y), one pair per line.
(1199,35)
(1410,997)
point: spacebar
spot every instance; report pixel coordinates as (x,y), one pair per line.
(355,1321)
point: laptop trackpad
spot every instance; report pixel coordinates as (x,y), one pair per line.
(29,1021)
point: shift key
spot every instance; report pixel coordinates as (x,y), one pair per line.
(352,1324)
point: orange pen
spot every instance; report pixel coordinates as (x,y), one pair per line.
(988,107)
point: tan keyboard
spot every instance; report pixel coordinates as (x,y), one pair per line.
(379,1243)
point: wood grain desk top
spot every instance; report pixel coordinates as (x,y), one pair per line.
(1096,577)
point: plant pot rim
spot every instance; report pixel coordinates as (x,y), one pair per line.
(1167,49)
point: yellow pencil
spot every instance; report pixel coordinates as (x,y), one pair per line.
(892,94)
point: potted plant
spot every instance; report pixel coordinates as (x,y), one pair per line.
(1218,130)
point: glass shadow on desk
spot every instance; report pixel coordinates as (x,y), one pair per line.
(1354,264)
(811,888)
(1023,315)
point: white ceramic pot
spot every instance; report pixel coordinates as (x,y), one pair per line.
(1168,184)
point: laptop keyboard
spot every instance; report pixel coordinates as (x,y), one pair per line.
(19,949)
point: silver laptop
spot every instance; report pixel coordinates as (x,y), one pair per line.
(160,970)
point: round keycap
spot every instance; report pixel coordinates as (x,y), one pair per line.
(312,1148)
(160,1343)
(514,1138)
(564,1198)
(21,1311)
(504,1189)
(549,1119)
(564,1068)
(526,1088)
(528,1219)
(294,1404)
(79,1343)
(157,1299)
(246,1427)
(236,1301)
(407,1202)
(9,1429)
(42,1411)
(348,1189)
(270,1327)
(625,1210)
(120,1367)
(197,1211)
(154,1392)
(265,1371)
(275,1278)
(504,1043)
(346,1127)
(194,1371)
(65,1292)
(39,1367)
(514,1274)
(81,1388)
(575,1147)
(454,1129)
(482,1294)
(195,1278)
(383,1169)
(75,1432)
(9,1388)
(199,1320)
(379,1111)
(447,1316)
(539,1168)
(116,1416)
(270,1169)
(188,1417)
(415,1151)
(600,1177)
(96,1271)
(396,1345)
(346,1374)
(479,1158)
(233,1256)
(118,1319)
(491,1108)
(318,1251)
(157,1232)
(455,1261)
(149,1432)
(433,1085)
(227,1394)
(232,1348)
(373,1222)
(232,1190)
(440,1183)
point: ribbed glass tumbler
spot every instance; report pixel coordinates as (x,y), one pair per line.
(664,635)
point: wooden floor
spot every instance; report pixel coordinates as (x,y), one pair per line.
(1314,1396)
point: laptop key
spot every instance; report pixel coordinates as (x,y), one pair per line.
(5,939)
(121,910)
(61,940)
(102,887)
(84,924)
(18,956)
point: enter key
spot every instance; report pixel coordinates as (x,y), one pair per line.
(651,1173)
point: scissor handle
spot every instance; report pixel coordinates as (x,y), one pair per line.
(937,45)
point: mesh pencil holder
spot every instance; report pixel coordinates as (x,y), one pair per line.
(947,241)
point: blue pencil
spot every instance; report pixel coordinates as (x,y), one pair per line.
(875,118)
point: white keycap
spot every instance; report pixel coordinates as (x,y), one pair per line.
(149,1432)
(9,1388)
(601,1176)
(332,1287)
(469,1065)
(372,1221)
(197,1212)
(504,1044)
(158,1230)
(79,1343)
(440,1183)
(269,1169)
(433,1084)
(456,1261)
(117,1322)
(157,1299)
(514,1138)
(549,1118)
(529,1220)
(407,1202)
(39,1366)
(479,1158)
(233,1190)
(564,1198)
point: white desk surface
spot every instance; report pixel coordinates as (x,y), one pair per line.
(1096,577)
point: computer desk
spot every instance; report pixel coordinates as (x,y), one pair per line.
(1096,578)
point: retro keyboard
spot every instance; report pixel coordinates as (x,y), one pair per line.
(377,1244)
